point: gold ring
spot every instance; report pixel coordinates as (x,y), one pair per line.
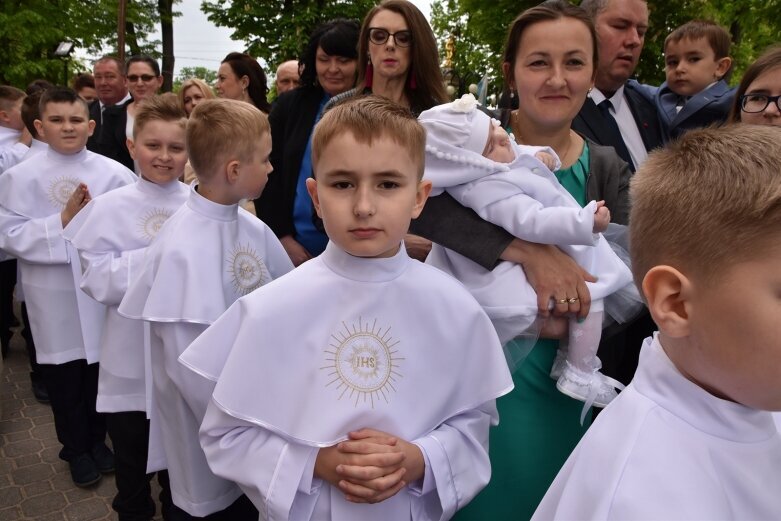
(562,301)
(572,300)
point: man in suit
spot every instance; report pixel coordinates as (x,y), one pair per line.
(616,114)
(111,85)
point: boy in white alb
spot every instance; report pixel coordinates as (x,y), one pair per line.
(207,254)
(362,385)
(38,198)
(697,438)
(473,158)
(14,141)
(111,234)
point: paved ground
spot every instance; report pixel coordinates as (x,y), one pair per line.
(34,483)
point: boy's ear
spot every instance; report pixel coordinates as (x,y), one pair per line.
(4,118)
(131,147)
(311,187)
(669,293)
(232,171)
(723,66)
(91,127)
(38,124)
(424,188)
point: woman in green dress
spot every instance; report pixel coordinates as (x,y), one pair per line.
(549,63)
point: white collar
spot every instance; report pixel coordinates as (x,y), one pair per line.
(127,97)
(79,156)
(148,187)
(364,269)
(617,99)
(221,212)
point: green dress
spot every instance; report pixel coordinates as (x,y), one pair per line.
(538,426)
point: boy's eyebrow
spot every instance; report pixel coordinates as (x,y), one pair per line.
(381,173)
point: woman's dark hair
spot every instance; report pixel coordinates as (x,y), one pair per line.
(770,59)
(424,58)
(143,58)
(547,11)
(337,37)
(245,65)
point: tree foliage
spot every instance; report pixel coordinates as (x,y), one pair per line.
(277,30)
(30,30)
(480,29)
(202,73)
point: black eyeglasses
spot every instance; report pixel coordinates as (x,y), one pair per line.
(753,103)
(379,36)
(146,78)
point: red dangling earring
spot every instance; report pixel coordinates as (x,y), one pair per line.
(413,81)
(369,78)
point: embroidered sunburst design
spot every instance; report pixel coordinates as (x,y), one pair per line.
(247,270)
(362,363)
(151,222)
(60,190)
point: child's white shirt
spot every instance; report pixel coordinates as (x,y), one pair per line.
(205,257)
(65,322)
(668,449)
(11,150)
(111,235)
(343,343)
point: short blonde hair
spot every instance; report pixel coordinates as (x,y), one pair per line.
(220,130)
(201,85)
(162,107)
(709,201)
(368,118)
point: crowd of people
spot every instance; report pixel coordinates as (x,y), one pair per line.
(230,288)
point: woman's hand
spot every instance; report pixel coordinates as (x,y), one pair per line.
(554,275)
(417,247)
(297,253)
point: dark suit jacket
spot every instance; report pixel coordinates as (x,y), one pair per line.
(291,120)
(712,105)
(591,123)
(112,141)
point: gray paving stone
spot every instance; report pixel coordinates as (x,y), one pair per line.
(10,514)
(39,487)
(43,504)
(10,495)
(87,510)
(22,448)
(39,472)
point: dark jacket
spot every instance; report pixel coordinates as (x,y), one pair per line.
(712,105)
(460,229)
(291,120)
(591,123)
(112,140)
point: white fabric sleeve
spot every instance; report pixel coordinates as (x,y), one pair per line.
(529,220)
(12,155)
(457,464)
(36,240)
(106,276)
(195,389)
(276,475)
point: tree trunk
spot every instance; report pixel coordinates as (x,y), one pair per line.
(165,8)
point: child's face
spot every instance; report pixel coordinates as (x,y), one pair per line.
(253,174)
(691,65)
(735,336)
(367,194)
(65,126)
(498,147)
(159,148)
(12,118)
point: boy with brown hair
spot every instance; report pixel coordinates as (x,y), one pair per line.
(112,234)
(14,140)
(695,94)
(699,441)
(317,413)
(38,198)
(208,254)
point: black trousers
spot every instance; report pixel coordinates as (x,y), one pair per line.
(27,334)
(73,390)
(7,283)
(129,433)
(241,510)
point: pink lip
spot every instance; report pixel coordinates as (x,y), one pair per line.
(390,62)
(364,233)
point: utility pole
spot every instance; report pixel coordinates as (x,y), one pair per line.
(121,30)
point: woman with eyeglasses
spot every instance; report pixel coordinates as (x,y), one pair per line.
(327,67)
(143,81)
(758,98)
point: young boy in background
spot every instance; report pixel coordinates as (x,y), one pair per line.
(698,438)
(362,385)
(208,254)
(696,57)
(111,234)
(38,198)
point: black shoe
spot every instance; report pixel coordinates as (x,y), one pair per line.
(103,458)
(83,471)
(39,391)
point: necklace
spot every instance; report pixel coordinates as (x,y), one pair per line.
(516,124)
